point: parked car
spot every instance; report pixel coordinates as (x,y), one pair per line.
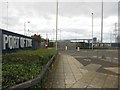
(46,46)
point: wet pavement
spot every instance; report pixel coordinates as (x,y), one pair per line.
(69,72)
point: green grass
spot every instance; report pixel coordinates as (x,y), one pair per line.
(23,65)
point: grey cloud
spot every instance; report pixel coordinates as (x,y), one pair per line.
(35,8)
(69,9)
(85,8)
(74,30)
(12,21)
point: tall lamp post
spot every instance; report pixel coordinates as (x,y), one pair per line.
(60,34)
(56,23)
(92,31)
(25,26)
(102,23)
(28,32)
(53,34)
(60,40)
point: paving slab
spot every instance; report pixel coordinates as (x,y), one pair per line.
(79,85)
(98,81)
(111,82)
(88,77)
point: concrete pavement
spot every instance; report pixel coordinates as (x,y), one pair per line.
(67,72)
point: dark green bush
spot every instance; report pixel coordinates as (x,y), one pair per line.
(23,65)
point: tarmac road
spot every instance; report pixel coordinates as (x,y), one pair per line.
(98,53)
(87,57)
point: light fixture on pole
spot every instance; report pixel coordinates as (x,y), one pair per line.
(25,26)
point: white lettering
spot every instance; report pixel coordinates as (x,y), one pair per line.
(22,42)
(28,42)
(13,42)
(16,42)
(10,42)
(5,41)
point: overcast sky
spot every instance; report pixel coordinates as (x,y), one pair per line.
(74,20)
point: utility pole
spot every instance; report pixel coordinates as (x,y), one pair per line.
(102,23)
(56,23)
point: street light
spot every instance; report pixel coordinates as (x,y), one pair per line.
(25,26)
(102,23)
(56,23)
(92,31)
(60,38)
(28,32)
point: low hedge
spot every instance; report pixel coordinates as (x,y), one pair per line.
(23,65)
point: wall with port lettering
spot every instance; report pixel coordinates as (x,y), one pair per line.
(12,41)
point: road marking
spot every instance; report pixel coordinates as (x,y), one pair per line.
(87,60)
(93,67)
(113,69)
(115,58)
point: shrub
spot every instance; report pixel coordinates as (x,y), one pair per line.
(23,65)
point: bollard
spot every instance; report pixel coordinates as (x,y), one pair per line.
(65,47)
(103,57)
(78,48)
